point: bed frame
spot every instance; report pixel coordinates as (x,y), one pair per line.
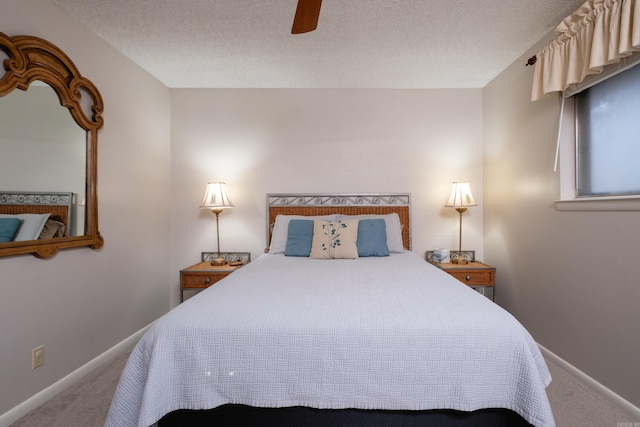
(248,416)
(244,416)
(58,205)
(309,204)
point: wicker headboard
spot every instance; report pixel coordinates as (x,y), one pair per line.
(58,205)
(349,204)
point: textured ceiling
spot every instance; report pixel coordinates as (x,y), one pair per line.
(358,43)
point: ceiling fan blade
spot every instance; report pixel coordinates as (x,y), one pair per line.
(307,14)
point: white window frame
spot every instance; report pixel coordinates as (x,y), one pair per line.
(567,151)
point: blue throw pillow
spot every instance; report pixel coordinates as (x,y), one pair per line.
(299,238)
(9,229)
(372,238)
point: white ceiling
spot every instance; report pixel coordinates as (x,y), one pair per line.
(358,43)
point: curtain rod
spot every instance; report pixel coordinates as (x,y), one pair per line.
(531,60)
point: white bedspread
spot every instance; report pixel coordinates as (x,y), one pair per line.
(372,333)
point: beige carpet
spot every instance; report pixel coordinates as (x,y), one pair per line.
(86,403)
(575,404)
(83,405)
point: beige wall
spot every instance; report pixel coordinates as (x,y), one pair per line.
(81,302)
(570,277)
(262,141)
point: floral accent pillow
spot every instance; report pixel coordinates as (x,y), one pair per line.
(334,239)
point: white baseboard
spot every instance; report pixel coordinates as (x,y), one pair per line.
(591,383)
(34,402)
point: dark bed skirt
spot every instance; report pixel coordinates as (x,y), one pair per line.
(247,416)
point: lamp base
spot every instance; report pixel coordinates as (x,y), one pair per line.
(218,261)
(460,261)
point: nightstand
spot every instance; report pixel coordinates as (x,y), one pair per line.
(202,275)
(477,275)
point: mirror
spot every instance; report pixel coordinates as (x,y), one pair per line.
(54,150)
(48,134)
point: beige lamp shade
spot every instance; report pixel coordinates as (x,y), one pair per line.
(460,196)
(216,197)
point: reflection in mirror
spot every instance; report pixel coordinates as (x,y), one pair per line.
(43,149)
(50,116)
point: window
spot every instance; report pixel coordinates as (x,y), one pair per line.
(608,137)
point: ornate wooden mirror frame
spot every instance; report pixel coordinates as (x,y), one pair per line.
(30,59)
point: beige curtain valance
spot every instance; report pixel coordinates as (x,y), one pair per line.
(599,33)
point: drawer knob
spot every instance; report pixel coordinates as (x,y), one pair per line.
(207,281)
(467,277)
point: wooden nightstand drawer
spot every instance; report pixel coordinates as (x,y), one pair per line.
(475,274)
(200,279)
(202,275)
(474,277)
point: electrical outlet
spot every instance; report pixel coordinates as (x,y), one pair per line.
(37,357)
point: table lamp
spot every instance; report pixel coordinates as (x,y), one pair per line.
(460,198)
(216,199)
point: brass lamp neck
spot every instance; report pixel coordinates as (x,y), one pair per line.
(460,259)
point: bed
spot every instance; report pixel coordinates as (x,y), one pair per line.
(291,339)
(28,216)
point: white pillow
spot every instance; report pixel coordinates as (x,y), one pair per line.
(281,230)
(335,239)
(31,227)
(394,229)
